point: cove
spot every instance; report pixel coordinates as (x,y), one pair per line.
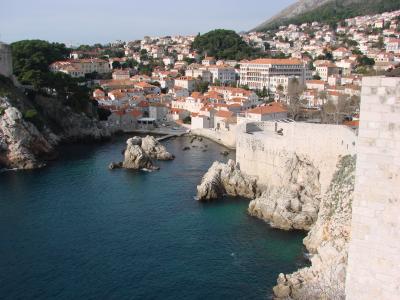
(76,230)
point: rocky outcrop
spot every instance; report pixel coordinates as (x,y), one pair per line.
(135,157)
(69,125)
(226,179)
(22,146)
(140,152)
(154,149)
(27,142)
(327,243)
(295,203)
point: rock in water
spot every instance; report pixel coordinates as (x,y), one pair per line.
(226,179)
(154,149)
(135,157)
(115,165)
(295,203)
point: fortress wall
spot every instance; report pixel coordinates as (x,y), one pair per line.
(374,252)
(263,153)
(5,60)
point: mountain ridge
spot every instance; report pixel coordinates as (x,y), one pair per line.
(328,11)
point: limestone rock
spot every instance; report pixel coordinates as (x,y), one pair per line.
(22,145)
(295,203)
(135,157)
(226,179)
(327,241)
(155,149)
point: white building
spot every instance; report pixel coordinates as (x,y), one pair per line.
(223,74)
(186,82)
(261,73)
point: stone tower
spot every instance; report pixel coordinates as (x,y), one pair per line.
(373,270)
(5,60)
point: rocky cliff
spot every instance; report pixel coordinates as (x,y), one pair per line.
(293,204)
(31,129)
(327,243)
(297,203)
(22,146)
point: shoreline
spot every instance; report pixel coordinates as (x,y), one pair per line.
(223,138)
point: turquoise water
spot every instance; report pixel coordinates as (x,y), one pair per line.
(76,230)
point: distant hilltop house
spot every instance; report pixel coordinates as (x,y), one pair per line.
(80,67)
(6,68)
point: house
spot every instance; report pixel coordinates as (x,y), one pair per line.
(223,74)
(269,112)
(341,53)
(208,61)
(200,121)
(186,82)
(121,74)
(393,45)
(158,111)
(326,69)
(316,85)
(223,118)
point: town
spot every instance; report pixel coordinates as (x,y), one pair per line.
(311,72)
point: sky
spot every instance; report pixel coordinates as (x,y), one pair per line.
(77,22)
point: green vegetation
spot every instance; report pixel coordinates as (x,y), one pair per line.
(223,44)
(335,11)
(31,60)
(201,86)
(30,114)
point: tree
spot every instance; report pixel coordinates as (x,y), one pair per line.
(201,86)
(116,64)
(317,77)
(295,90)
(31,60)
(223,44)
(365,61)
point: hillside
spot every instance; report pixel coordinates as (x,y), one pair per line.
(327,11)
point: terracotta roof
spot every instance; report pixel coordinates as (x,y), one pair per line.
(224,114)
(274,107)
(275,61)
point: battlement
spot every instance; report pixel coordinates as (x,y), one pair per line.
(6,68)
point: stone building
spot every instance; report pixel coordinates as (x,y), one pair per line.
(5,60)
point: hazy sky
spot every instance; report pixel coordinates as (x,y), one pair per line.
(89,21)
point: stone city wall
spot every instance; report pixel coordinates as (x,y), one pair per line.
(261,152)
(374,254)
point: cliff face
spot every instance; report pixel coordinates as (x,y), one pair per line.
(30,130)
(327,243)
(21,144)
(293,204)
